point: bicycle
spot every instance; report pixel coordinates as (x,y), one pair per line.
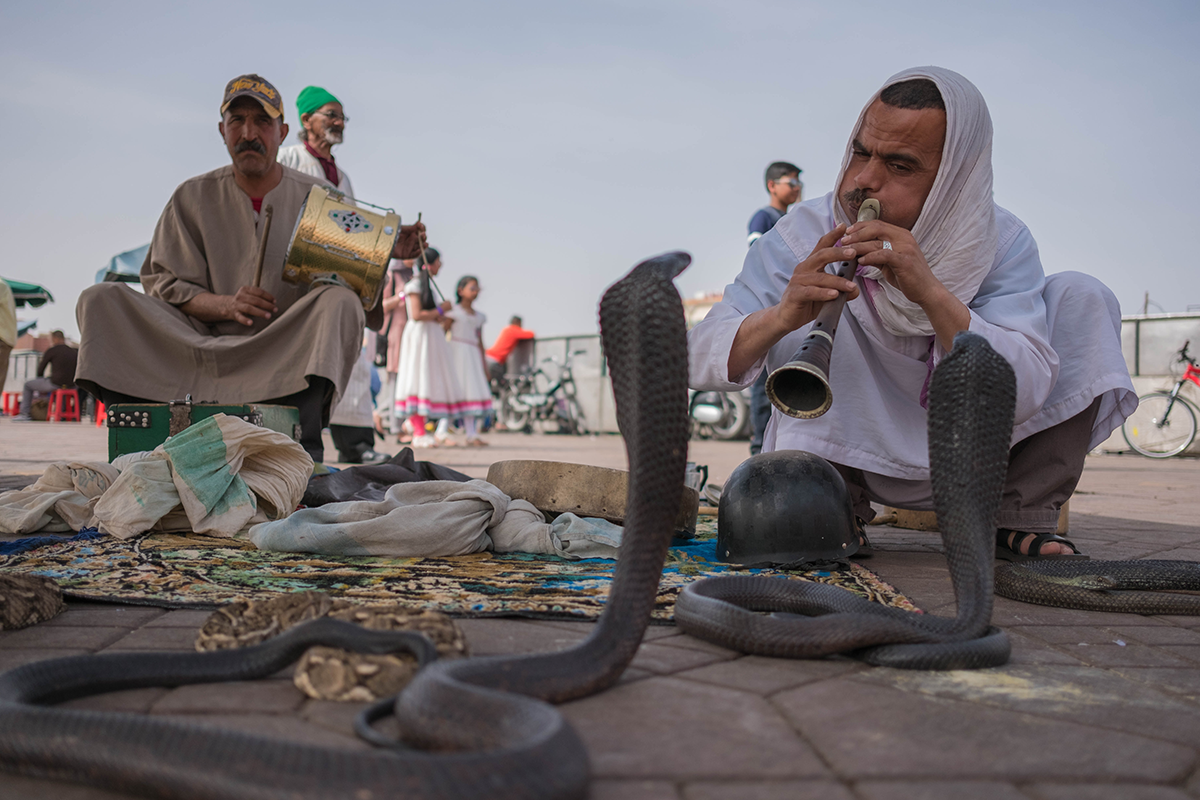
(532,396)
(1164,423)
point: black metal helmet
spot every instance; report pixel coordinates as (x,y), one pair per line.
(786,507)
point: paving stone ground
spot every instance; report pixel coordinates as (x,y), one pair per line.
(1091,707)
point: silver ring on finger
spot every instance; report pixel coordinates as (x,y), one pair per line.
(887,245)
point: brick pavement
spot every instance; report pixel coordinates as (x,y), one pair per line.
(1092,706)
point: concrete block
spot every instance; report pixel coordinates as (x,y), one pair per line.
(668,729)
(497,637)
(662,659)
(876,732)
(938,790)
(555,487)
(156,638)
(64,636)
(927,520)
(233,697)
(765,676)
(632,790)
(181,618)
(766,790)
(104,615)
(1125,791)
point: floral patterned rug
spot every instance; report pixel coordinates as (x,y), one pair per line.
(201,572)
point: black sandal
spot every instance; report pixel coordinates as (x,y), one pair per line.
(1013,553)
(864,544)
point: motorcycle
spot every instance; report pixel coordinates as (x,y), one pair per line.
(719,415)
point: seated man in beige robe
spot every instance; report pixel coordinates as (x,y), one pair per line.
(202,328)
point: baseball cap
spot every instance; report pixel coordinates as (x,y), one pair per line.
(252,85)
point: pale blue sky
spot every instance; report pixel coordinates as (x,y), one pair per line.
(552,145)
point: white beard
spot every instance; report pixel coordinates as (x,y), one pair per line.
(331,136)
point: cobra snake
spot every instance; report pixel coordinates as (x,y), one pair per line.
(483,726)
(1127,587)
(972,396)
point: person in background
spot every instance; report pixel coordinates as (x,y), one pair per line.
(60,359)
(470,367)
(387,354)
(323,125)
(352,422)
(498,353)
(8,329)
(426,386)
(784,188)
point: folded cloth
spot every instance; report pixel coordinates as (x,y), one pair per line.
(63,499)
(435,519)
(372,482)
(215,477)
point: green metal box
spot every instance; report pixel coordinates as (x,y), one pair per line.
(134,427)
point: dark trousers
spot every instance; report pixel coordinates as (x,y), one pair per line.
(1043,471)
(760,413)
(351,442)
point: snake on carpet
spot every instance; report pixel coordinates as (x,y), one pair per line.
(972,396)
(483,726)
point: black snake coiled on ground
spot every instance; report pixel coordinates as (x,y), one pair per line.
(1126,587)
(484,724)
(972,397)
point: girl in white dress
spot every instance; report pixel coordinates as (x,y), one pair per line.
(466,351)
(426,385)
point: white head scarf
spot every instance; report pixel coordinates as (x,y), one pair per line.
(957,227)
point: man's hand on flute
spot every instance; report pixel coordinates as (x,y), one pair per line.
(810,287)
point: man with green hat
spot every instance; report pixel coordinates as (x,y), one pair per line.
(205,325)
(322,125)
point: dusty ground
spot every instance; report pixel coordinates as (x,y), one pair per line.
(1095,706)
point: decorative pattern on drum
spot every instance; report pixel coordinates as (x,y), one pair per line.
(337,240)
(350,221)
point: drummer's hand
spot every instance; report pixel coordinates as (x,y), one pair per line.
(250,302)
(445,306)
(410,242)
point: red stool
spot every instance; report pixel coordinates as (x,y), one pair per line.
(64,406)
(12,403)
(99,413)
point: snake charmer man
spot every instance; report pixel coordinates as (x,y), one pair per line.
(941,258)
(202,328)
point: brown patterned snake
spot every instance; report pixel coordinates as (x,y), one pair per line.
(483,724)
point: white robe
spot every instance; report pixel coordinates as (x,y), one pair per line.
(1061,335)
(298,158)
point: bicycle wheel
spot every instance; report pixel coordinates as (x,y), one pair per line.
(578,421)
(1154,432)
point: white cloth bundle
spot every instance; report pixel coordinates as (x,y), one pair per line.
(434,519)
(216,477)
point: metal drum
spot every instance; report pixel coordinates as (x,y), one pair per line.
(336,240)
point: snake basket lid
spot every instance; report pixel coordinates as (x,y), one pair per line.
(554,488)
(337,238)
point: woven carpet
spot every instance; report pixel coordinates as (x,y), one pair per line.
(200,572)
